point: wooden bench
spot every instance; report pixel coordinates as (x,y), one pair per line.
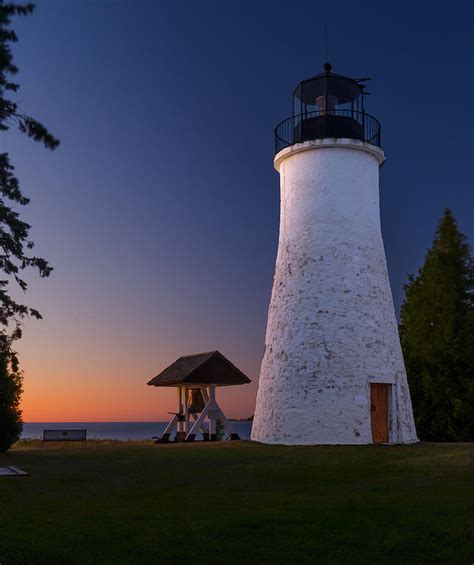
(64,435)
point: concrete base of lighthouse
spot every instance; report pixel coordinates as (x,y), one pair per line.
(332,332)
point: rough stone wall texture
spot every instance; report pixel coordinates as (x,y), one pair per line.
(331,324)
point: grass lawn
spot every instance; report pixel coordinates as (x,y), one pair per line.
(238,502)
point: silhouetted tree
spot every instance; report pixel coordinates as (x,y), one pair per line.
(15,246)
(437,337)
(10,395)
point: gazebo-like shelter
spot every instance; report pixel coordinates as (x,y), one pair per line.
(196,378)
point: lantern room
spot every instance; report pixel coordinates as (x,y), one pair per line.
(325,106)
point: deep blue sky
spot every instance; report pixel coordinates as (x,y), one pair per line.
(160,209)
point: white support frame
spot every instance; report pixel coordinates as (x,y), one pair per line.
(171,426)
(211,412)
(203,425)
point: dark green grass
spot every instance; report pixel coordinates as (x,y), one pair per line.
(238,503)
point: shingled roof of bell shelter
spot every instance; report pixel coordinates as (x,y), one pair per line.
(201,368)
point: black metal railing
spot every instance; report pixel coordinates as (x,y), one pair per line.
(323,124)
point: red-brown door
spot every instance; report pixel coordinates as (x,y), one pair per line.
(379,412)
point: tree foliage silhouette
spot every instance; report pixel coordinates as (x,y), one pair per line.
(15,245)
(437,337)
(10,395)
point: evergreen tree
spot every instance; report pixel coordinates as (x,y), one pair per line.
(15,246)
(10,394)
(437,337)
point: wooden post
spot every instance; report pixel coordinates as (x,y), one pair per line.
(180,408)
(212,420)
(186,410)
(207,428)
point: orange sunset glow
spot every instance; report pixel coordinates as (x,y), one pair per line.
(85,380)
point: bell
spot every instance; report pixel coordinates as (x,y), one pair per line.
(196,401)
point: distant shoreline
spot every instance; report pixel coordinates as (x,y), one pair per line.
(116,421)
(122,431)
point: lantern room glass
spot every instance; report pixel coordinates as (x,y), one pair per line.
(327,93)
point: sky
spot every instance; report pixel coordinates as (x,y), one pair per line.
(159,211)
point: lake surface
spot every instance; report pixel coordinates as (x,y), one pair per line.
(116,430)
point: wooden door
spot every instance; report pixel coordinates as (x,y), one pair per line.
(379,412)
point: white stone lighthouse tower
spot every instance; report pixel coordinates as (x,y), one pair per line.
(332,371)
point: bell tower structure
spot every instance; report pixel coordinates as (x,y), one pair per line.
(333,370)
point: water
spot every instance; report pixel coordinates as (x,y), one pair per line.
(116,430)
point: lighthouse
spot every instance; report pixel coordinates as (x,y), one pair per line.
(332,370)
